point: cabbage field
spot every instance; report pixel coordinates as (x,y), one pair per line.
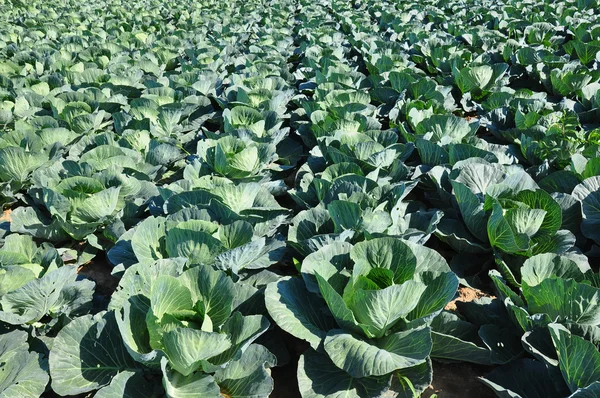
(299,198)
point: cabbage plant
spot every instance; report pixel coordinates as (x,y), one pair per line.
(365,310)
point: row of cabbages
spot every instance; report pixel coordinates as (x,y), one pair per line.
(149,134)
(334,170)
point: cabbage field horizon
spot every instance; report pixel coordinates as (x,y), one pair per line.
(296,198)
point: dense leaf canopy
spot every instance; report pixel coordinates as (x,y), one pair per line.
(196,193)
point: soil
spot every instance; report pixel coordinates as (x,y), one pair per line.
(100,272)
(6,216)
(465,295)
(285,378)
(458,380)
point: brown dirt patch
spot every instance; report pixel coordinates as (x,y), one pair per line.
(458,380)
(100,272)
(466,295)
(6,216)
